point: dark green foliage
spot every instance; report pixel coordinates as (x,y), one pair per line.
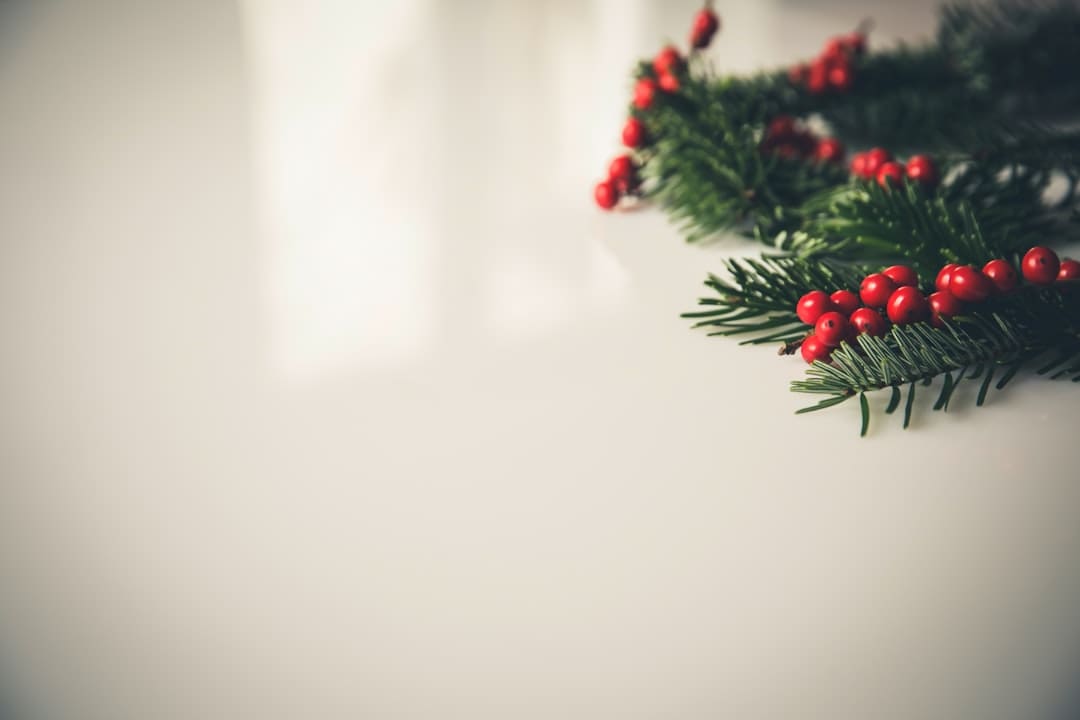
(984,98)
(1009,60)
(710,172)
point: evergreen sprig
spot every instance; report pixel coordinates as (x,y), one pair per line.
(980,346)
(758,299)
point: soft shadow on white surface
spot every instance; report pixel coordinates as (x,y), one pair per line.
(328,394)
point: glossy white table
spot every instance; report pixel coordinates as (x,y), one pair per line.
(327,393)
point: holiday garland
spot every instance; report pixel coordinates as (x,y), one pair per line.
(883,274)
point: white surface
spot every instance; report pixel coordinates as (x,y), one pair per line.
(328,394)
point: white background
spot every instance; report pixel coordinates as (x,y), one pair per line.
(326,392)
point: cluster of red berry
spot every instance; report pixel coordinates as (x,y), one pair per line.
(623,178)
(878,164)
(667,68)
(843,315)
(787,138)
(833,68)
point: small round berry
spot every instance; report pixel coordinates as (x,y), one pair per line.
(969,285)
(943,304)
(704,26)
(818,78)
(644,93)
(835,49)
(1002,274)
(841,78)
(944,275)
(922,170)
(902,275)
(606,195)
(845,301)
(876,289)
(1070,270)
(667,60)
(813,305)
(669,83)
(1040,265)
(798,74)
(875,158)
(908,305)
(633,133)
(858,165)
(781,126)
(621,168)
(868,322)
(890,174)
(813,349)
(831,328)
(829,150)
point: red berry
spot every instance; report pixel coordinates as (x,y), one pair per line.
(781,127)
(813,349)
(829,150)
(621,168)
(902,275)
(644,93)
(858,165)
(797,74)
(922,170)
(667,60)
(669,83)
(813,305)
(834,48)
(818,78)
(831,328)
(1070,270)
(1002,274)
(1040,265)
(875,158)
(907,305)
(890,174)
(704,26)
(841,77)
(969,285)
(867,321)
(606,194)
(944,275)
(943,304)
(633,133)
(876,289)
(845,301)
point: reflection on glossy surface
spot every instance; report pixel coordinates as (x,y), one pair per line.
(327,394)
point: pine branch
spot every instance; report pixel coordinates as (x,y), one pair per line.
(997,342)
(1010,59)
(759,296)
(867,223)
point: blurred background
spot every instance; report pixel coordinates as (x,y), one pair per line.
(326,392)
